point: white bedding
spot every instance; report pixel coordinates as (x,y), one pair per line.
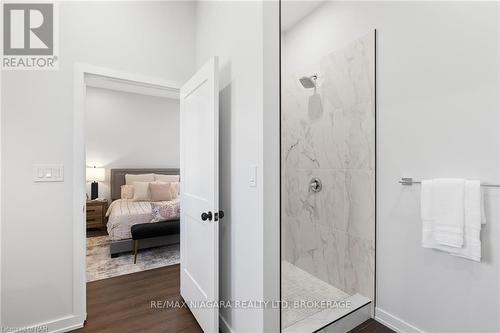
(124,213)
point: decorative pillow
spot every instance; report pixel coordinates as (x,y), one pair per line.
(146,177)
(160,191)
(127,191)
(166,211)
(175,189)
(141,191)
(167,178)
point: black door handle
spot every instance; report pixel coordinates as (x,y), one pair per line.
(206,216)
(219,216)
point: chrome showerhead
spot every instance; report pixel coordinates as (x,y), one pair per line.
(308,82)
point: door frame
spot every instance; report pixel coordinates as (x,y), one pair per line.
(81,71)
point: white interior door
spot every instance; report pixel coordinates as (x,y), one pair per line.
(199,128)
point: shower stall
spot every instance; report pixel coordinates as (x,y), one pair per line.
(328,188)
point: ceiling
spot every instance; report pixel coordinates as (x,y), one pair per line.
(294,11)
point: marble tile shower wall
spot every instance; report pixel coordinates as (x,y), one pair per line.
(329,133)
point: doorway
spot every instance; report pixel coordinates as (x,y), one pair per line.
(198,199)
(93,79)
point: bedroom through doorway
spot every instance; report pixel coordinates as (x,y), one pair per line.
(132,157)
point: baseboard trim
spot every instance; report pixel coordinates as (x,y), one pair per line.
(60,325)
(224,325)
(395,323)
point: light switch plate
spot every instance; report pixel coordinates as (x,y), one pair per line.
(48,173)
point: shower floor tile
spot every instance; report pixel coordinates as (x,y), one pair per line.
(298,285)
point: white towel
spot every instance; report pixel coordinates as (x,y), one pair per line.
(426,214)
(474,217)
(443,210)
(472,214)
(483,210)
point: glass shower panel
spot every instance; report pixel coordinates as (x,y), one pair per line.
(328,186)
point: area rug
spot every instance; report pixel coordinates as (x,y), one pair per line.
(100,265)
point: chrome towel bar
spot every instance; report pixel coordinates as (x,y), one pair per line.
(407,181)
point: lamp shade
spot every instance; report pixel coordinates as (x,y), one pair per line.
(95,174)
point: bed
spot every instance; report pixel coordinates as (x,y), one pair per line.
(123,213)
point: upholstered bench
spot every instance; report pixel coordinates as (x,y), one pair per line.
(151,230)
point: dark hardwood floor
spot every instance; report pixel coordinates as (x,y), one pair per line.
(123,304)
(371,326)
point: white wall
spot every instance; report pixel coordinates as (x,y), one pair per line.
(151,38)
(234,32)
(127,130)
(437,116)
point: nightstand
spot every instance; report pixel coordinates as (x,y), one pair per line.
(96,214)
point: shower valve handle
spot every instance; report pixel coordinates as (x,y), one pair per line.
(315,185)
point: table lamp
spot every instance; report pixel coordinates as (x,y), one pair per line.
(95,175)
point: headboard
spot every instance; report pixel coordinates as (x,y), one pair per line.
(118,178)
